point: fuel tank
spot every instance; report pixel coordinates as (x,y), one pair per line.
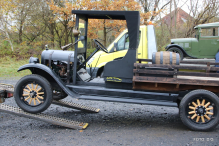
(56,55)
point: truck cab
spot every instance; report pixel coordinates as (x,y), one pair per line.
(119,47)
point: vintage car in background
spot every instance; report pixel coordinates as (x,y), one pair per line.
(204,45)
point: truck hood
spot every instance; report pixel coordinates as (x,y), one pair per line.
(183,40)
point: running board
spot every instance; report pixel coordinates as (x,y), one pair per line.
(129,100)
(44,117)
(76,106)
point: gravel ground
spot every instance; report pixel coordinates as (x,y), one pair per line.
(116,124)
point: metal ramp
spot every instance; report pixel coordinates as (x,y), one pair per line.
(5,88)
(43,117)
(52,119)
(76,106)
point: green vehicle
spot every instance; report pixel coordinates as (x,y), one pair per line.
(204,45)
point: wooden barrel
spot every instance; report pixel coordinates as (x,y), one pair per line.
(165,57)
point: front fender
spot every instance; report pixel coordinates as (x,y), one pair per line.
(178,46)
(35,67)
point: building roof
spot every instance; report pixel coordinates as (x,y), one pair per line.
(181,17)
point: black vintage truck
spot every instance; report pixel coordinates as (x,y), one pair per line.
(129,79)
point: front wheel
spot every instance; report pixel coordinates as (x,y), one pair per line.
(199,110)
(33,93)
(177,50)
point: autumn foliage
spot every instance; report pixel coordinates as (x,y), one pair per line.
(63,11)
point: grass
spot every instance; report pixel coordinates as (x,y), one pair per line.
(9,67)
(10,63)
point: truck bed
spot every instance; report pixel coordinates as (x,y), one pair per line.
(173,78)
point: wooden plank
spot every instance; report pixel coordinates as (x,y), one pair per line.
(185,62)
(172,88)
(163,72)
(176,67)
(175,81)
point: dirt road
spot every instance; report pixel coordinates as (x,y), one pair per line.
(116,124)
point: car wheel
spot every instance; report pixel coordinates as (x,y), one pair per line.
(177,50)
(199,110)
(33,93)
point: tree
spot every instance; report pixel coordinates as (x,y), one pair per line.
(202,12)
(106,26)
(5,18)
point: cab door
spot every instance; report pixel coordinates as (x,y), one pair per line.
(208,42)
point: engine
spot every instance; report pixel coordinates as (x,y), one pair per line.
(60,68)
(62,62)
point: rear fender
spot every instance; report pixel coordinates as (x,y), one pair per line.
(49,74)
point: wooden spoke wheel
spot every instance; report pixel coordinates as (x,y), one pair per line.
(199,110)
(33,93)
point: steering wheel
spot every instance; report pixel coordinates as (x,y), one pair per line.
(100,46)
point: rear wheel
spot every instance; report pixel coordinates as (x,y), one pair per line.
(177,50)
(199,110)
(33,93)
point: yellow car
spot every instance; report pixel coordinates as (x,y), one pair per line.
(118,49)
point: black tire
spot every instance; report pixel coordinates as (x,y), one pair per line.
(195,115)
(59,95)
(33,93)
(177,50)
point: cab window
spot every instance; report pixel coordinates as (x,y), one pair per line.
(123,43)
(209,31)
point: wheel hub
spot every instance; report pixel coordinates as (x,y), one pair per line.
(33,94)
(200,110)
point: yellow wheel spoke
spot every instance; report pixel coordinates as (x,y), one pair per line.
(207,117)
(193,116)
(30,100)
(38,100)
(210,108)
(26,90)
(40,97)
(207,104)
(27,98)
(203,102)
(34,101)
(40,93)
(209,113)
(203,120)
(32,86)
(38,90)
(197,119)
(28,87)
(36,87)
(198,102)
(192,112)
(191,107)
(25,95)
(194,104)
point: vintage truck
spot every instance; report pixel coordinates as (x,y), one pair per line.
(129,79)
(119,47)
(204,45)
